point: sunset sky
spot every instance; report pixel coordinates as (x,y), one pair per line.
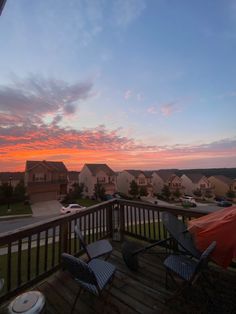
(132,83)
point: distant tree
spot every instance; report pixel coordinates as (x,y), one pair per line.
(134,191)
(143,191)
(166,192)
(19,192)
(6,192)
(99,191)
(78,190)
(230,194)
(177,193)
(197,193)
(208,194)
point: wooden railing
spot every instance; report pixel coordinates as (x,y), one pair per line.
(143,220)
(30,254)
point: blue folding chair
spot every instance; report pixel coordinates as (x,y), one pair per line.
(93,276)
(96,249)
(188,269)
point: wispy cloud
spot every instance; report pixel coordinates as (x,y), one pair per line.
(33,98)
(168,109)
(152,110)
(165,110)
(126,11)
(128,94)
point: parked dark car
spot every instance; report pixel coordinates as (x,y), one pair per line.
(224,204)
(220,199)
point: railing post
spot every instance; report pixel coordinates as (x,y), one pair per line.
(64,237)
(122,221)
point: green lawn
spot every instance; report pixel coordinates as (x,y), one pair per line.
(16,209)
(86,202)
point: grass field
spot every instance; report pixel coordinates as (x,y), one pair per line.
(86,202)
(16,209)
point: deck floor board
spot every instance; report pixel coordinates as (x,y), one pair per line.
(140,292)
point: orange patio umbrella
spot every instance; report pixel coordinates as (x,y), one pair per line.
(219,226)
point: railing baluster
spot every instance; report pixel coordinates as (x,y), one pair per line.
(46,251)
(19,263)
(37,253)
(93,237)
(139,220)
(29,259)
(69,233)
(159,225)
(144,222)
(149,224)
(154,224)
(53,246)
(9,267)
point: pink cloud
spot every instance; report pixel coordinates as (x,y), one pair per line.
(168,109)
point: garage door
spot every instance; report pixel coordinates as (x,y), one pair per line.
(41,197)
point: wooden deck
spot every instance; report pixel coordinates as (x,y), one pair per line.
(140,292)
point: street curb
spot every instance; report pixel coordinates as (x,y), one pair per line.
(15,216)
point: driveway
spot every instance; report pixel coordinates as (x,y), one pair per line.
(47,208)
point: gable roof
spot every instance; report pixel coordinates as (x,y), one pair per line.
(148,173)
(195,177)
(134,173)
(95,168)
(73,175)
(224,179)
(165,174)
(57,166)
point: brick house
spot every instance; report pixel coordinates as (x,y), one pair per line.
(196,182)
(91,174)
(166,177)
(45,180)
(142,178)
(222,185)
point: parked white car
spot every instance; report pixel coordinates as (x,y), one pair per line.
(188,200)
(72,208)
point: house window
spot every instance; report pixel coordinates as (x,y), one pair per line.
(39,177)
(141,181)
(62,177)
(101,179)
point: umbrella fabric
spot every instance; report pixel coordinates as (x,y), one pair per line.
(219,226)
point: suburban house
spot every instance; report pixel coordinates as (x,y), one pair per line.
(45,180)
(222,185)
(92,174)
(194,183)
(73,178)
(142,178)
(166,177)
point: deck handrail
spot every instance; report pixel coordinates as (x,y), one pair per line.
(31,253)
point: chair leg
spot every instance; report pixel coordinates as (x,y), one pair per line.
(108,293)
(76,298)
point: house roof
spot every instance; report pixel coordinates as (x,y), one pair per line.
(73,175)
(224,179)
(135,173)
(57,166)
(148,173)
(95,168)
(195,177)
(165,174)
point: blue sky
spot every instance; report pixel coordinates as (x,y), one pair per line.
(151,83)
